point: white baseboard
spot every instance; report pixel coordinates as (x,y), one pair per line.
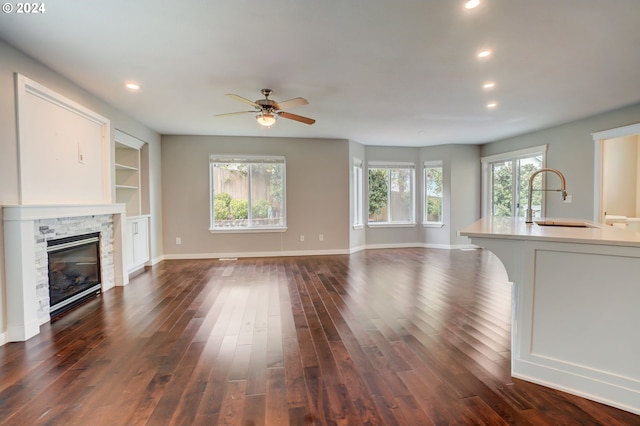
(352,250)
(254,254)
(394,245)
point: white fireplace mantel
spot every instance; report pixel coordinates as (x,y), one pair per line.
(19,246)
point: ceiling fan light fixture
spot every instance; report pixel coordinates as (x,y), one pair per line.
(266,119)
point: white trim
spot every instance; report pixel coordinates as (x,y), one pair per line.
(618,132)
(394,245)
(240,158)
(128,140)
(350,251)
(239,230)
(254,254)
(357,197)
(391,165)
(598,139)
(520,153)
(433,224)
(391,225)
(35,212)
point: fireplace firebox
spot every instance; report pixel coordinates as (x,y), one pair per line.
(74,271)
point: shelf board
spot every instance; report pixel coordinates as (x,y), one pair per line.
(126,187)
(125,167)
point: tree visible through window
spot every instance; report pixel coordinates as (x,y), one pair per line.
(433,192)
(247,193)
(391,194)
(507,181)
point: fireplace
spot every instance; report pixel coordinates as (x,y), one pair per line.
(74,271)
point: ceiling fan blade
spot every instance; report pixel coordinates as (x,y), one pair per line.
(295,117)
(245,100)
(288,104)
(234,113)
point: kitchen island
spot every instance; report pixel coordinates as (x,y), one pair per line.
(576,304)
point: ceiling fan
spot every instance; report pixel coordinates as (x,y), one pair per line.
(269,110)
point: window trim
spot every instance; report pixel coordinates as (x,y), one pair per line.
(394,165)
(358,193)
(249,159)
(425,222)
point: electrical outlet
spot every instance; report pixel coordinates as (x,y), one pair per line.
(301,238)
(321,237)
(568,199)
(178,240)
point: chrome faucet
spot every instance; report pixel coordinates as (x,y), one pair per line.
(563,190)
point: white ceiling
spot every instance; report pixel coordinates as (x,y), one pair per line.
(379,72)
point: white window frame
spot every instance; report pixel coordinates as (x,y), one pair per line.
(507,156)
(358,194)
(249,159)
(394,165)
(425,222)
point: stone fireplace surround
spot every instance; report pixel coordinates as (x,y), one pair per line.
(26,231)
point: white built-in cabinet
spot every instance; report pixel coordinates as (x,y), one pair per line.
(129,190)
(137,244)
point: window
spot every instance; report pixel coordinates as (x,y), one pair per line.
(247,193)
(506,182)
(433,198)
(391,195)
(357,193)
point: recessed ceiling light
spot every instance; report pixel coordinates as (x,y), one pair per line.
(132,86)
(492,105)
(484,53)
(472,4)
(488,85)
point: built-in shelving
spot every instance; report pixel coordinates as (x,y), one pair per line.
(127,170)
(130,162)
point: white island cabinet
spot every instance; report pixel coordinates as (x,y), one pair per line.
(576,305)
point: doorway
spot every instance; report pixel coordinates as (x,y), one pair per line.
(617,173)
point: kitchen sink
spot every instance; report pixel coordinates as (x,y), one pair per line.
(567,223)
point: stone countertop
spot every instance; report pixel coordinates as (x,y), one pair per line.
(516,229)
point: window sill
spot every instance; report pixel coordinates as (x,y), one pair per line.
(433,225)
(245,230)
(360,226)
(391,225)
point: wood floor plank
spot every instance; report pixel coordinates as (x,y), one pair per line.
(381,337)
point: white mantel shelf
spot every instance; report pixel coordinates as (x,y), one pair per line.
(580,336)
(19,242)
(36,212)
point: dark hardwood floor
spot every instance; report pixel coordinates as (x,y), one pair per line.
(394,337)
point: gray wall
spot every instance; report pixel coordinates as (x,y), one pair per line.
(571,150)
(317,196)
(12,61)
